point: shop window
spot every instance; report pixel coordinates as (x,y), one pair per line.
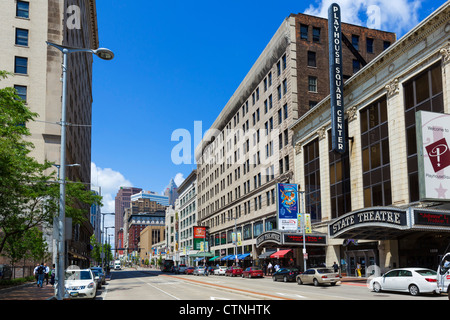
(423,92)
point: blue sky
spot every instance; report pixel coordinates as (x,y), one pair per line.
(177,62)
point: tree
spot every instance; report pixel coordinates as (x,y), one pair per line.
(29,197)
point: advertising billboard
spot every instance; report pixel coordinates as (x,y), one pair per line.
(200,238)
(433,155)
(287,206)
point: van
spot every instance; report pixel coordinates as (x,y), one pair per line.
(443,273)
(117,265)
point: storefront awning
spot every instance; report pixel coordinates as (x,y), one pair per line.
(243,256)
(280,254)
(214,258)
(266,254)
(226,257)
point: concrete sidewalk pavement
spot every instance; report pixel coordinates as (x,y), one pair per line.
(28,291)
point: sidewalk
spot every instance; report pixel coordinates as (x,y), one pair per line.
(27,291)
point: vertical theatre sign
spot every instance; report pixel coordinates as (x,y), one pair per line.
(433,155)
(338,134)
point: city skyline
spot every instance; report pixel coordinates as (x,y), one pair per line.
(187,76)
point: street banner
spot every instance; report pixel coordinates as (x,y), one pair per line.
(287,206)
(433,155)
(307,222)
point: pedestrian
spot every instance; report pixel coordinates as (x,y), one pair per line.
(40,271)
(52,275)
(265,268)
(358,270)
(35,272)
(269,267)
(46,273)
(335,267)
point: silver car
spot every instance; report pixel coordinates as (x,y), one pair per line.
(101,272)
(318,276)
(200,271)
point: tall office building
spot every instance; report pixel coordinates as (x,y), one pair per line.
(122,202)
(171,192)
(249,149)
(36,69)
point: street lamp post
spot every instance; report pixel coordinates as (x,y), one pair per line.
(104,54)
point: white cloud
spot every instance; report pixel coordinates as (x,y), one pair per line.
(110,182)
(179,178)
(397,16)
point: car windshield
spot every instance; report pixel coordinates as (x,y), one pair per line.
(325,271)
(78,275)
(426,272)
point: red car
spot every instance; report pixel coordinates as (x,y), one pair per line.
(233,271)
(252,272)
(189,270)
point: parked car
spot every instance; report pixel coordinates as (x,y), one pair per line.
(220,270)
(189,270)
(412,280)
(102,273)
(200,271)
(286,274)
(182,268)
(318,276)
(97,277)
(80,284)
(233,271)
(252,272)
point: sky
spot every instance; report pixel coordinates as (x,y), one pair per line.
(176,65)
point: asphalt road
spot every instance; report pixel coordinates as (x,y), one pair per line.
(154,285)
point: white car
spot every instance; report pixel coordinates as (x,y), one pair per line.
(80,284)
(412,280)
(220,270)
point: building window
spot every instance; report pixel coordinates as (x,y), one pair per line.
(21,65)
(369,44)
(22,37)
(424,92)
(23,9)
(355,41)
(375,154)
(386,44)
(312,84)
(312,179)
(311,59)
(21,92)
(284,86)
(283,59)
(340,193)
(303,32)
(356,66)
(316,34)
(278,68)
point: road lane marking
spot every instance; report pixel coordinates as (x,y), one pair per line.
(170,295)
(228,288)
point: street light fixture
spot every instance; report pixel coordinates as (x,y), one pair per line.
(104,54)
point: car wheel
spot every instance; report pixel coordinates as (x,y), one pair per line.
(285,279)
(316,283)
(299,281)
(376,287)
(414,290)
(274,279)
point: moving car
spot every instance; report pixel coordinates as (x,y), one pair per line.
(220,270)
(286,274)
(233,271)
(412,280)
(102,273)
(200,271)
(80,284)
(117,265)
(252,272)
(318,276)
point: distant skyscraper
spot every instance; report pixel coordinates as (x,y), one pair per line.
(123,199)
(171,192)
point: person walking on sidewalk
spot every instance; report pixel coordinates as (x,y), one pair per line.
(40,271)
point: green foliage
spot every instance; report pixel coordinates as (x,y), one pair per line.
(29,195)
